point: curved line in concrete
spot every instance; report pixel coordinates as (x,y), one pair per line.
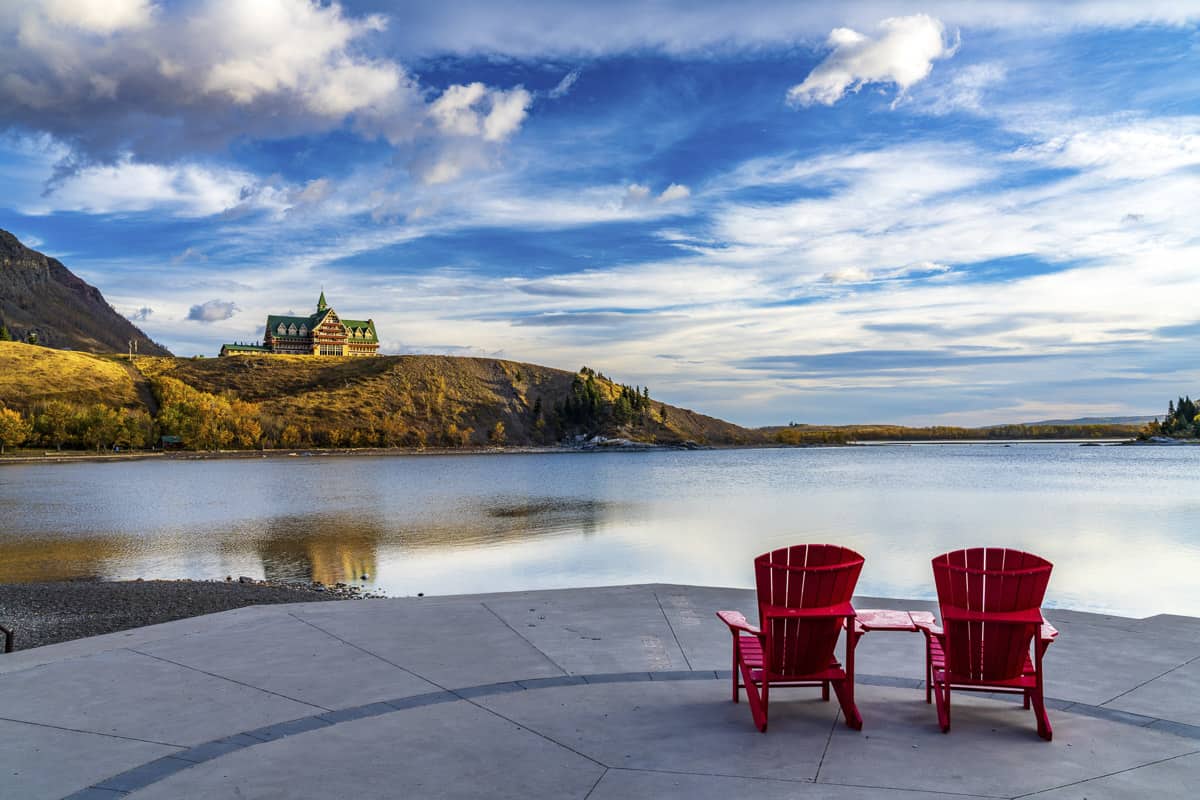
(152,772)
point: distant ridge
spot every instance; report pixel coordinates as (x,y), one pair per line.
(41,296)
(1097,421)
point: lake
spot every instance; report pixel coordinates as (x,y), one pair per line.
(1121,524)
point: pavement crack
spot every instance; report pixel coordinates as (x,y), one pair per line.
(226,678)
(524,638)
(1151,680)
(1108,774)
(671,628)
(92,733)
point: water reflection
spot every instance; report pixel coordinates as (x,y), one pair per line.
(1121,524)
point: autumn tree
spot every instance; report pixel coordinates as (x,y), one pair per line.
(53,422)
(496,435)
(14,429)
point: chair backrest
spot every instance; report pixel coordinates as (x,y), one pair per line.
(989,580)
(805,576)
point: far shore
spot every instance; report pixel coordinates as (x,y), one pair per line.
(80,456)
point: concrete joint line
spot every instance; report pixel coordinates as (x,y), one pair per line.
(362,649)
(1108,774)
(671,628)
(1151,680)
(226,678)
(157,769)
(523,638)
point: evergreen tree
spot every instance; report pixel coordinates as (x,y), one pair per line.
(5,336)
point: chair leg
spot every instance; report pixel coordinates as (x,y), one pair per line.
(1025,700)
(1039,711)
(757,699)
(845,695)
(825,691)
(733,673)
(941,693)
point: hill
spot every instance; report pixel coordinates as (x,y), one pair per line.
(437,400)
(41,296)
(303,401)
(31,376)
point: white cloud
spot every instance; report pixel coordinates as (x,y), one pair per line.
(508,111)
(635,195)
(190,190)
(213,311)
(99,16)
(902,55)
(477,110)
(168,80)
(1122,150)
(676,191)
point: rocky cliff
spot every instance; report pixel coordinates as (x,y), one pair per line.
(39,295)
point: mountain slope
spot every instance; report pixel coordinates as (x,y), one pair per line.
(304,401)
(40,295)
(430,400)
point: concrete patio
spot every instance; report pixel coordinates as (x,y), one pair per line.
(593,693)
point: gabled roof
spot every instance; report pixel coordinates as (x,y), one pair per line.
(364,327)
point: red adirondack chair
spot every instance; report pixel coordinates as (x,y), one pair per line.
(803,607)
(990,602)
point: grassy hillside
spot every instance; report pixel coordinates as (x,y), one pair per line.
(431,400)
(31,375)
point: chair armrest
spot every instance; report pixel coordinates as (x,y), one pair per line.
(1048,633)
(736,621)
(927,627)
(955,614)
(841,610)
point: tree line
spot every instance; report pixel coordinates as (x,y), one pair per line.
(1182,421)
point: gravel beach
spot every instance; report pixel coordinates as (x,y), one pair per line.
(45,613)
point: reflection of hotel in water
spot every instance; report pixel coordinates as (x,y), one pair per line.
(326,559)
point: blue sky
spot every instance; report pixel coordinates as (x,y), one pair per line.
(941,213)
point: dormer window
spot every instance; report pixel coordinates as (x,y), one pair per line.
(281,330)
(292,329)
(303,329)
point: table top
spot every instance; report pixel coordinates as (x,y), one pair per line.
(886,619)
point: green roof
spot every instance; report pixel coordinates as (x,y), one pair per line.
(365,326)
(245,348)
(360,330)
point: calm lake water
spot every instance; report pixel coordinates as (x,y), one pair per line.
(1121,524)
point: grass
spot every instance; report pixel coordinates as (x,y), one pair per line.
(30,374)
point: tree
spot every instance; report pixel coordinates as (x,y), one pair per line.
(5,336)
(496,435)
(14,429)
(32,338)
(100,426)
(53,423)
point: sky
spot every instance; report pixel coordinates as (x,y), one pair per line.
(920,213)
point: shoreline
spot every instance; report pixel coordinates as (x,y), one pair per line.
(50,612)
(51,457)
